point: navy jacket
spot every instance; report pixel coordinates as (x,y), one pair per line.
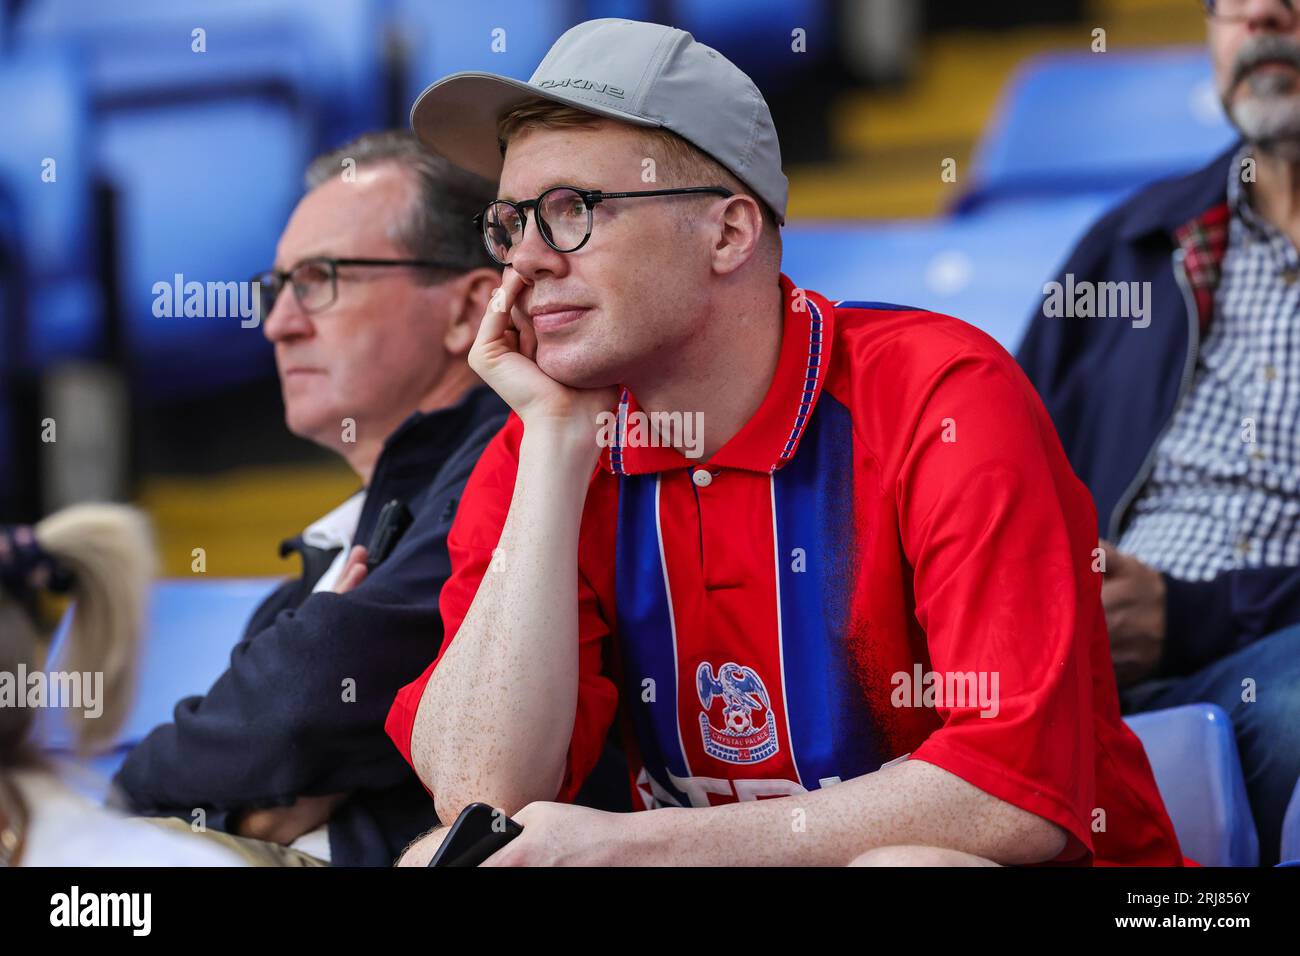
(1112,388)
(275,725)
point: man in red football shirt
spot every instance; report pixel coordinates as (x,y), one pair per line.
(851,619)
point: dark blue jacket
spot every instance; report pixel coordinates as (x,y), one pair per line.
(1112,388)
(275,725)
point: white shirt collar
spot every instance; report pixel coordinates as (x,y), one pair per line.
(336,529)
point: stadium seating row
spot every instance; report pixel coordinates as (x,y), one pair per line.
(198,119)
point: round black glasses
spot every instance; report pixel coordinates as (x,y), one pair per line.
(563,216)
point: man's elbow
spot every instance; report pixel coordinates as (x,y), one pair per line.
(459,772)
(459,777)
(1037,840)
(508,799)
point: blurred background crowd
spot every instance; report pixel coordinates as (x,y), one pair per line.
(941,153)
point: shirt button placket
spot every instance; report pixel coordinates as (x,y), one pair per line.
(702,478)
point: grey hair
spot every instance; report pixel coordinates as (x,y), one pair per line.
(439,225)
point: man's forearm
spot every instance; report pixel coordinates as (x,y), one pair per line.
(912,803)
(495,720)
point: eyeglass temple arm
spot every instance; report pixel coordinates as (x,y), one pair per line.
(597,196)
(385,262)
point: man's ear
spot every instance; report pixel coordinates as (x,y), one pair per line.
(473,292)
(739,232)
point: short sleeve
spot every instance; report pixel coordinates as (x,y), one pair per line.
(1000,534)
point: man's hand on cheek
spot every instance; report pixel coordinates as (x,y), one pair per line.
(560,834)
(504,356)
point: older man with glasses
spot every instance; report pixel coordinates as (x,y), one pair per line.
(386,285)
(1185,429)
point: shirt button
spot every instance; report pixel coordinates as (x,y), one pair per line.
(1289,276)
(1270,373)
(701,477)
(1243,546)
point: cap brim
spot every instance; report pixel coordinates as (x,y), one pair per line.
(457,116)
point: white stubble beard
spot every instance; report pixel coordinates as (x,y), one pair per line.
(1269,118)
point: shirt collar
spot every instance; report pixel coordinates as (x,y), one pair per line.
(336,529)
(771,436)
(1163,207)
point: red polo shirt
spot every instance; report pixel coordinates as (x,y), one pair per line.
(890,560)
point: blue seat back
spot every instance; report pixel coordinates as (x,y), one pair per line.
(507,37)
(331,51)
(52,302)
(193,626)
(754,34)
(1193,755)
(1291,829)
(1088,122)
(986,269)
(758,35)
(206,151)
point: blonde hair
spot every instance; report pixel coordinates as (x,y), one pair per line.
(691,164)
(109,552)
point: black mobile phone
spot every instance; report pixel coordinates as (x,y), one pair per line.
(478,832)
(393,521)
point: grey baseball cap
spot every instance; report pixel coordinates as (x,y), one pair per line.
(641,73)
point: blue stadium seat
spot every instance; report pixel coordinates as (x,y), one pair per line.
(206,150)
(51,307)
(1087,122)
(986,269)
(436,42)
(335,48)
(757,35)
(1194,757)
(193,625)
(624,9)
(1291,829)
